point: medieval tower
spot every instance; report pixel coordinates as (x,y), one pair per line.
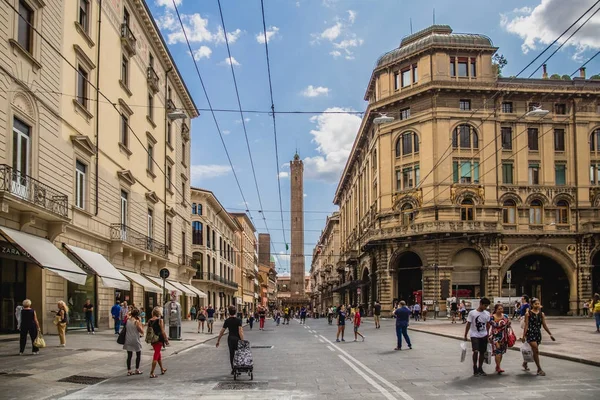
(297,226)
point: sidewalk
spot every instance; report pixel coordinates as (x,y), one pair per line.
(576,337)
(96,355)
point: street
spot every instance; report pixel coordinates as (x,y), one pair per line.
(305,362)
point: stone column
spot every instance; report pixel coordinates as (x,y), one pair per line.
(494,281)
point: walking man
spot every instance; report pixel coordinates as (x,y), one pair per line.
(402,314)
(478,325)
(88,309)
(115,311)
(303,316)
(377,314)
(417,311)
(210,318)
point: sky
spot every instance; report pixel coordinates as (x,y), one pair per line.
(322,53)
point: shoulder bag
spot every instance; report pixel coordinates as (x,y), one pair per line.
(121,338)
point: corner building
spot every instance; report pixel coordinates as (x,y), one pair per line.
(462,187)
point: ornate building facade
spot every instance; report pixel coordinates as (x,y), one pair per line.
(465,184)
(323,269)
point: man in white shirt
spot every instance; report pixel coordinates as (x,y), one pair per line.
(478,323)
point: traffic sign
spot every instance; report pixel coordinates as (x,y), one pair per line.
(164,273)
(508,276)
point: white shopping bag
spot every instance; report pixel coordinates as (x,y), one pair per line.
(488,354)
(463,353)
(527,352)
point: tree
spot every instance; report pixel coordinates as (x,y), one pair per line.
(499,62)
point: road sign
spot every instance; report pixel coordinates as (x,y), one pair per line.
(164,273)
(508,276)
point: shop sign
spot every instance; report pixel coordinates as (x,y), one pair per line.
(7,250)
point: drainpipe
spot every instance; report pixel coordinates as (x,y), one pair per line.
(576,164)
(98,107)
(165,165)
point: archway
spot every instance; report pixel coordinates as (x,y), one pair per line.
(541,277)
(365,288)
(596,273)
(408,276)
(467,276)
(374,280)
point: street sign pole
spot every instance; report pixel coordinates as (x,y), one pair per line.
(508,279)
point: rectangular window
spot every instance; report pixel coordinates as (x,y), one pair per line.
(560,109)
(463,67)
(465,172)
(465,105)
(183,244)
(169,132)
(398,180)
(125,16)
(125,70)
(406,77)
(124,130)
(507,173)
(407,142)
(169,171)
(417,175)
(507,107)
(473,68)
(80,172)
(183,193)
(595,174)
(532,139)
(506,134)
(183,153)
(82,86)
(124,211)
(535,215)
(150,157)
(197,237)
(559,140)
(415,73)
(25,27)
(560,174)
(169,237)
(452,66)
(208,237)
(21,150)
(396,80)
(534,174)
(84,14)
(509,215)
(151,106)
(407,178)
(150,223)
(404,113)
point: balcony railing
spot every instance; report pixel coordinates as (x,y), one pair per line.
(128,39)
(210,277)
(153,80)
(138,240)
(33,191)
(170,105)
(185,260)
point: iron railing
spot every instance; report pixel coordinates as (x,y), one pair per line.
(128,38)
(185,260)
(136,239)
(153,80)
(209,276)
(170,105)
(33,191)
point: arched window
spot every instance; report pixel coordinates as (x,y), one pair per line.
(536,210)
(193,208)
(562,212)
(399,146)
(465,137)
(509,212)
(408,215)
(407,143)
(595,141)
(467,210)
(197,237)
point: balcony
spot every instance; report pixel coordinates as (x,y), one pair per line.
(26,194)
(124,236)
(153,80)
(187,262)
(209,277)
(128,39)
(170,105)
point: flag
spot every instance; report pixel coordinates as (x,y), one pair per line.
(287,247)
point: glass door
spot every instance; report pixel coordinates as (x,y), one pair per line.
(20,158)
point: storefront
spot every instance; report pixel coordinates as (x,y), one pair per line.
(13,284)
(76,298)
(152,291)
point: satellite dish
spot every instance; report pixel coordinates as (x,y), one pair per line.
(537,112)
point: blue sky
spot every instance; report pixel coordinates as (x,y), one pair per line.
(322,54)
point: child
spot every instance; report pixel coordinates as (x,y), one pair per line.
(356,325)
(142,315)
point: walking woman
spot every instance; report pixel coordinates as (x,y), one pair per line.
(133,343)
(201,318)
(61,322)
(532,332)
(29,325)
(499,330)
(236,333)
(596,310)
(341,321)
(158,325)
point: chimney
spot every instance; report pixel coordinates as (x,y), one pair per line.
(582,72)
(544,72)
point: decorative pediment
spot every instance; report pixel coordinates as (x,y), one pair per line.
(125,108)
(460,192)
(151,137)
(83,58)
(170,160)
(84,143)
(152,197)
(413,196)
(171,212)
(126,177)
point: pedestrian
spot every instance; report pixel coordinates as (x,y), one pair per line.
(157,324)
(262,316)
(133,342)
(28,325)
(143,315)
(453,311)
(412,311)
(88,310)
(424,312)
(250,320)
(193,312)
(286,316)
(341,322)
(277,317)
(377,314)
(516,312)
(357,320)
(463,312)
(115,312)
(586,307)
(499,330)
(417,310)
(478,324)
(303,315)
(61,320)
(210,318)
(402,314)
(236,333)
(221,314)
(201,318)
(124,313)
(524,306)
(532,332)
(596,309)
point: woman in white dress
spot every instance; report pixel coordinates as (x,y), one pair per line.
(133,342)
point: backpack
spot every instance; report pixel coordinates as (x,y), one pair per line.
(151,336)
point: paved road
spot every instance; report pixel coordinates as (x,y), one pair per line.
(306,363)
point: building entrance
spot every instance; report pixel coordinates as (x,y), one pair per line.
(409,276)
(12,292)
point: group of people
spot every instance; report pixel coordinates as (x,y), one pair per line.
(261,315)
(28,324)
(118,312)
(204,315)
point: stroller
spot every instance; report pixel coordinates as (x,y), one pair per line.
(242,360)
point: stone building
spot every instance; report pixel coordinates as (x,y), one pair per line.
(94,165)
(464,184)
(323,271)
(248,283)
(297,259)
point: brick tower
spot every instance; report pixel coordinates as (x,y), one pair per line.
(297,226)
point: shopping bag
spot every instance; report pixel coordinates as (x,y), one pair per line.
(511,338)
(487,356)
(39,341)
(463,351)
(527,352)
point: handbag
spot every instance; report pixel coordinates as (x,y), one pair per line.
(527,352)
(122,334)
(511,338)
(56,320)
(151,336)
(39,341)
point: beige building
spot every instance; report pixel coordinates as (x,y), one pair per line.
(323,269)
(249,286)
(213,249)
(86,208)
(464,186)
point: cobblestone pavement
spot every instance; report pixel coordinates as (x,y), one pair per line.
(305,362)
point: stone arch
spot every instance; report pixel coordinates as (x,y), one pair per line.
(563,196)
(397,135)
(397,255)
(24,106)
(510,196)
(468,194)
(537,196)
(463,122)
(483,253)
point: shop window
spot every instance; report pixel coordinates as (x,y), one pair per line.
(509,212)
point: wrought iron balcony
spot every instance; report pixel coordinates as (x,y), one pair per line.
(128,39)
(137,240)
(170,105)
(187,261)
(210,277)
(31,191)
(153,80)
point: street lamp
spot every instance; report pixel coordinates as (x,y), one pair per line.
(383,119)
(177,114)
(537,112)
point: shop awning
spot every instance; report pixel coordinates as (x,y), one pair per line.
(142,281)
(198,292)
(170,288)
(110,276)
(182,288)
(47,255)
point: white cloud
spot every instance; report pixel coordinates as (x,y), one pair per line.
(334,135)
(167,3)
(239,121)
(312,91)
(332,32)
(196,28)
(284,174)
(202,52)
(226,132)
(231,61)
(340,36)
(351,16)
(335,53)
(304,195)
(544,23)
(271,32)
(232,37)
(200,172)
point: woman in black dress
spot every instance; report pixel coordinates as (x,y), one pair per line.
(532,332)
(236,333)
(29,325)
